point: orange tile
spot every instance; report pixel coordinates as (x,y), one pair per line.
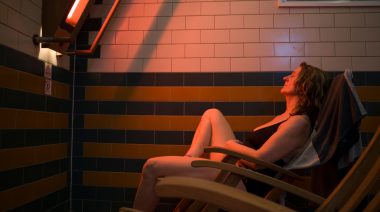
(111,179)
(26,193)
(31,83)
(8,78)
(61,90)
(370,124)
(27,119)
(8,118)
(369,93)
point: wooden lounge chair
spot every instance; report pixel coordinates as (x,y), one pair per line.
(346,196)
(320,149)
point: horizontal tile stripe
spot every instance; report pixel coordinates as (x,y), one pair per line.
(23,81)
(180,93)
(31,101)
(27,156)
(19,176)
(26,193)
(131,151)
(191,108)
(13,138)
(188,123)
(111,179)
(202,93)
(29,119)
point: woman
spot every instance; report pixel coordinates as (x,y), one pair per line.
(274,141)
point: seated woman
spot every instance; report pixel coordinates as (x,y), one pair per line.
(274,141)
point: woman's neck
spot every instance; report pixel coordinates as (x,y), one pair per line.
(291,104)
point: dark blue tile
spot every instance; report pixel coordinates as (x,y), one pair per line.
(64,165)
(114,107)
(373,78)
(168,137)
(13,138)
(359,78)
(141,79)
(197,108)
(110,164)
(78,122)
(112,79)
(169,108)
(130,194)
(23,62)
(231,79)
(111,136)
(79,93)
(36,205)
(33,173)
(199,79)
(279,108)
(85,135)
(35,101)
(134,165)
(80,66)
(110,194)
(65,136)
(2,54)
(278,78)
(88,164)
(140,108)
(259,108)
(230,108)
(51,136)
(77,177)
(1,97)
(14,99)
(169,79)
(188,137)
(258,79)
(62,75)
(50,201)
(96,206)
(373,108)
(84,192)
(86,79)
(139,137)
(86,107)
(51,168)
(53,104)
(11,178)
(35,137)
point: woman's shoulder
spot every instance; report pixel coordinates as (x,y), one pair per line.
(297,122)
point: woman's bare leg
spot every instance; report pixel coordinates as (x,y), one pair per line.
(146,198)
(213,129)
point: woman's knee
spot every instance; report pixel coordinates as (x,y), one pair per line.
(212,113)
(150,168)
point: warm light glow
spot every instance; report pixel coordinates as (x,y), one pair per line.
(76,11)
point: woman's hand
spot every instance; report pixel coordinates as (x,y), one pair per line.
(245,164)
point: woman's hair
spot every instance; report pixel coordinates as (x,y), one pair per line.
(311,86)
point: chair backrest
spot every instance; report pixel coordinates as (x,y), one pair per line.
(338,119)
(358,181)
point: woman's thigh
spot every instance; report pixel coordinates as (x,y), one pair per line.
(177,166)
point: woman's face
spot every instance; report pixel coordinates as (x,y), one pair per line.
(289,87)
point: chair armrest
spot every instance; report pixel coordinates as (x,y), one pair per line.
(228,198)
(251,159)
(260,177)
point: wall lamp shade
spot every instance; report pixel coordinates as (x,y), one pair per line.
(62,21)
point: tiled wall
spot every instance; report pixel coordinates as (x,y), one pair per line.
(34,127)
(162,63)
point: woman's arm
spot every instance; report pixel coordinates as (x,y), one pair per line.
(290,136)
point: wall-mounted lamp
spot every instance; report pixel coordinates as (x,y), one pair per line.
(61,22)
